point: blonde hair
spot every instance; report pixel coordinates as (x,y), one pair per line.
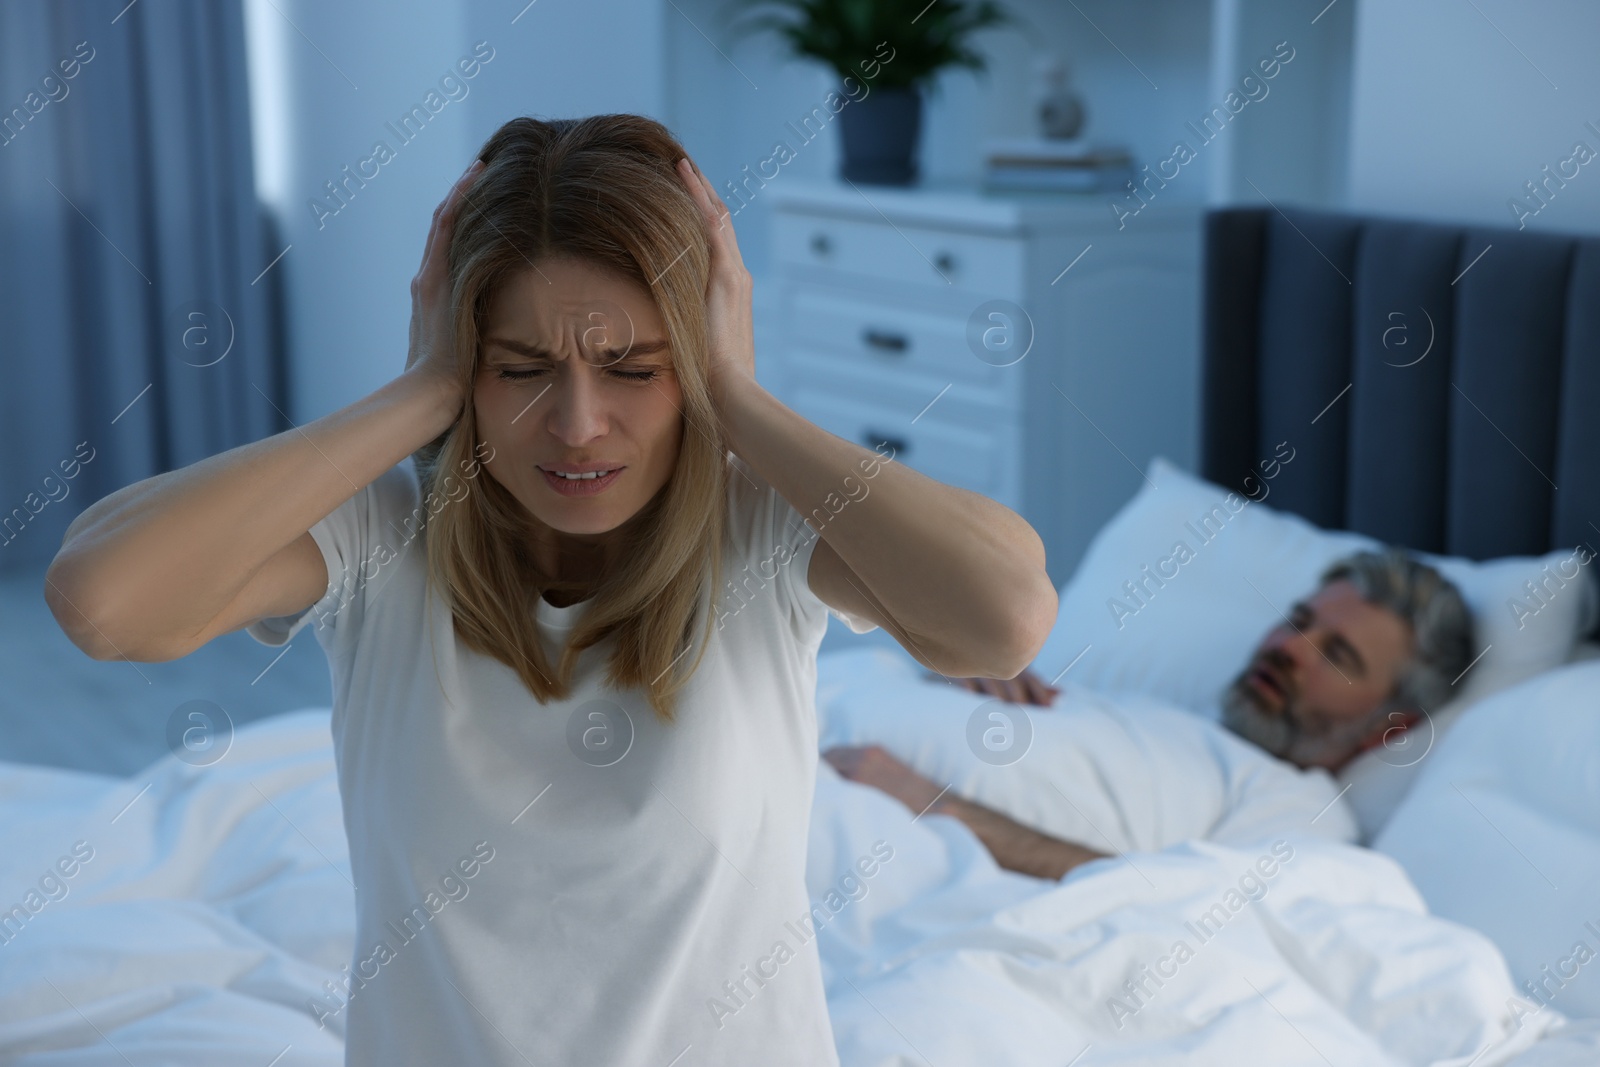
(602,189)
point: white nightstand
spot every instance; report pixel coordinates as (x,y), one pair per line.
(882,303)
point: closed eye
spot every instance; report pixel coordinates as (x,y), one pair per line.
(524,375)
(1337,648)
(1346,653)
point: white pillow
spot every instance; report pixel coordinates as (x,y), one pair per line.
(1124,775)
(1204,607)
(1502,831)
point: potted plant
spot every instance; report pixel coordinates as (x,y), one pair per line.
(892,52)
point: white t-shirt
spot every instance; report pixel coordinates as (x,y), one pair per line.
(531,884)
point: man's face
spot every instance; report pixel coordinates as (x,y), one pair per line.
(1312,691)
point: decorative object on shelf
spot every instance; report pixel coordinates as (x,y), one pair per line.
(1060,110)
(900,46)
(1039,165)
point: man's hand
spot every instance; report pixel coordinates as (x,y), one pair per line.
(1025,688)
(875,766)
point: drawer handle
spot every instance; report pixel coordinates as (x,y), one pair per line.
(872,439)
(820,245)
(885,341)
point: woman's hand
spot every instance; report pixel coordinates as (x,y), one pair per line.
(729,320)
(1025,688)
(432,353)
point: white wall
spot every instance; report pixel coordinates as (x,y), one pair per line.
(1146,69)
(1291,145)
(1450,115)
(729,122)
(320,104)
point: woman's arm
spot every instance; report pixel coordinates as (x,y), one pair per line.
(957,578)
(158,568)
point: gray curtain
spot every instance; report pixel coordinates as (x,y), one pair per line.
(137,336)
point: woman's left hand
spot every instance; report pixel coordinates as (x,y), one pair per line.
(730,331)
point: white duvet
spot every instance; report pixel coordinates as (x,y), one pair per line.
(206,907)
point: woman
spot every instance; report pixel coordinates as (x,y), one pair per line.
(573,712)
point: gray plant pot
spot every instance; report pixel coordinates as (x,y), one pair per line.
(879,136)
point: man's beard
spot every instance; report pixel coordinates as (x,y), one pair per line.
(1284,733)
(1277,734)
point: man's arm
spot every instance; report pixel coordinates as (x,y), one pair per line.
(1013,845)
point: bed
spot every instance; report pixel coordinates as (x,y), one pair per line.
(1425,907)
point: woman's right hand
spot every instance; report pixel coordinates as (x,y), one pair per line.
(432,352)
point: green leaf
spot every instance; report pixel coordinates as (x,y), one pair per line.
(927,37)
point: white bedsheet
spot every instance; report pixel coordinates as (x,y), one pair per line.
(216,903)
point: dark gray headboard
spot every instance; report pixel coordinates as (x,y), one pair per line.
(1488,445)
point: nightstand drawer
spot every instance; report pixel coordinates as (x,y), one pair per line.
(921,255)
(879,337)
(956,455)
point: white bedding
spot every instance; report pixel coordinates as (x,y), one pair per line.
(1502,832)
(1115,774)
(213,905)
(216,903)
(1202,610)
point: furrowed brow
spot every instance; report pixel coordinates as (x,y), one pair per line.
(638,348)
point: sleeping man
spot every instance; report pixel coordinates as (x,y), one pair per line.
(1377,645)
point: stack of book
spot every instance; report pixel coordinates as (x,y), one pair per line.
(1038,165)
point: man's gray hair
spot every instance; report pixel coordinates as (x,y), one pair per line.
(1442,628)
